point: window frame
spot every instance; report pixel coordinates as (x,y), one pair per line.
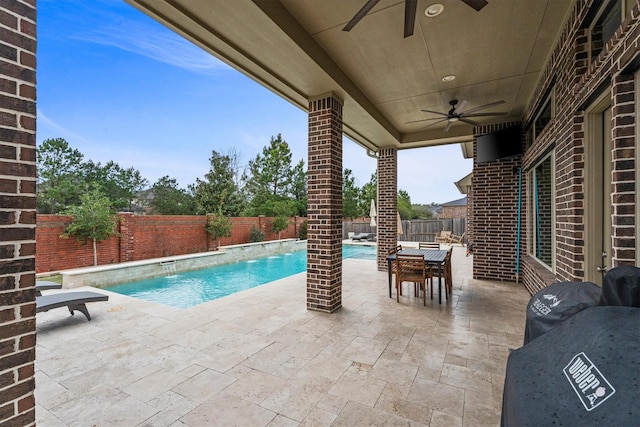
(533,213)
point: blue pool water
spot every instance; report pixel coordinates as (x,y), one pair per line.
(195,287)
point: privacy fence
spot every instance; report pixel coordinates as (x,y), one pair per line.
(415,230)
(143,237)
(154,236)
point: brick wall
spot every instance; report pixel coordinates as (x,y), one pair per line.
(453,212)
(141,237)
(495,214)
(17,212)
(577,83)
(324,206)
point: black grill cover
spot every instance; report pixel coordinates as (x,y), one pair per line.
(567,376)
(556,303)
(621,286)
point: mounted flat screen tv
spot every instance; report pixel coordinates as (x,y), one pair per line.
(499,145)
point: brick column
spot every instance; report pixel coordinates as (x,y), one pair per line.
(126,221)
(624,193)
(324,206)
(17,212)
(387,203)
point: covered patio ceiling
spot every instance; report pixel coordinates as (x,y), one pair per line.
(297,49)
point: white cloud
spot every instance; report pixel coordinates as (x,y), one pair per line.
(119,25)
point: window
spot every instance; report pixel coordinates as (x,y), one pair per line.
(543,116)
(607,21)
(541,226)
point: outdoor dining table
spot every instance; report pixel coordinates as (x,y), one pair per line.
(433,257)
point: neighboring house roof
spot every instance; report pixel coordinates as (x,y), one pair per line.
(459,202)
(464,183)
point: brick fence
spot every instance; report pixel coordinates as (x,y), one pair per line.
(142,237)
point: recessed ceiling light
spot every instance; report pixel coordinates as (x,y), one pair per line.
(434,10)
(449,78)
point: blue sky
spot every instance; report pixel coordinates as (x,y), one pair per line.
(119,86)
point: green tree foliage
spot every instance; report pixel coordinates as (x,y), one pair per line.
(118,184)
(256,235)
(369,192)
(279,224)
(92,220)
(298,189)
(302,232)
(60,180)
(218,226)
(405,209)
(424,211)
(219,191)
(168,199)
(63,176)
(350,195)
(270,178)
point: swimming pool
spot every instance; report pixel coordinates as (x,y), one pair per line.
(195,287)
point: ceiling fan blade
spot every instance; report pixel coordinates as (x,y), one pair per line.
(469,122)
(424,120)
(435,123)
(460,108)
(361,14)
(482,107)
(410,7)
(436,112)
(446,129)
(500,113)
(476,4)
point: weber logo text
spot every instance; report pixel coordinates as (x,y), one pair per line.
(589,384)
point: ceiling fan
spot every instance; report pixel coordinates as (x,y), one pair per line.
(457,113)
(410,7)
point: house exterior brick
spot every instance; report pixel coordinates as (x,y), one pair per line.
(17,213)
(576,81)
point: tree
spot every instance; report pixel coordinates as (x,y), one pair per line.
(405,208)
(118,184)
(92,220)
(60,181)
(270,178)
(298,188)
(350,195)
(219,192)
(218,226)
(168,199)
(369,192)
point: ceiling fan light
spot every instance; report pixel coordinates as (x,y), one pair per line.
(434,10)
(448,78)
(453,119)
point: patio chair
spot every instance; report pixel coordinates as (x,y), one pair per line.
(72,300)
(361,236)
(45,285)
(428,245)
(443,236)
(453,238)
(446,272)
(412,268)
(392,251)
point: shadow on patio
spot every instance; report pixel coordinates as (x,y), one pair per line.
(260,358)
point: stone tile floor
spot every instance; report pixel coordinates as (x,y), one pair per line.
(260,358)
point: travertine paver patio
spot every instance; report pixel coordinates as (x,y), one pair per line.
(259,358)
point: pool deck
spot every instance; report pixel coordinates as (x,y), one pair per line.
(260,358)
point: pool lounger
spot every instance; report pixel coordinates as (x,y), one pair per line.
(361,236)
(45,285)
(72,300)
